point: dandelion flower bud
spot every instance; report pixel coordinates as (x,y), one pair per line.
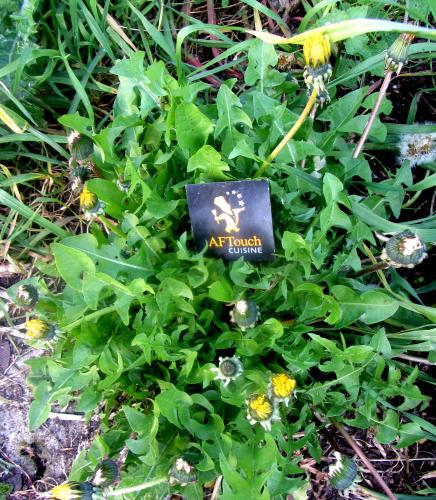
(281,387)
(182,473)
(343,472)
(106,473)
(72,491)
(228,369)
(404,249)
(80,146)
(261,409)
(123,185)
(396,54)
(80,174)
(27,295)
(245,314)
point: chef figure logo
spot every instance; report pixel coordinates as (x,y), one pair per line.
(227,213)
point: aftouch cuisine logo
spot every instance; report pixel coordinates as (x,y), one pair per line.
(228,212)
(232,219)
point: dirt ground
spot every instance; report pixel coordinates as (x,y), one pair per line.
(31,461)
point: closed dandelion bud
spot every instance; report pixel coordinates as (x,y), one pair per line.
(245,314)
(106,473)
(123,185)
(396,55)
(404,249)
(417,149)
(72,490)
(281,387)
(343,473)
(228,369)
(80,146)
(79,175)
(261,409)
(27,296)
(182,473)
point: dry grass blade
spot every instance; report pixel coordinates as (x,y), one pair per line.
(116,27)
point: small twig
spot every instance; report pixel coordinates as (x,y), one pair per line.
(371,269)
(118,29)
(304,114)
(13,331)
(374,113)
(216,488)
(415,359)
(211,19)
(356,448)
(66,416)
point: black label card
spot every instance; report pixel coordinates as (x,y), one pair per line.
(233,219)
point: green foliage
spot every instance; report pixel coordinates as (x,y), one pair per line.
(144,318)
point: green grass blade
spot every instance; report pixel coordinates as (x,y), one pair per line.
(159,39)
(96,30)
(13,204)
(268,12)
(21,178)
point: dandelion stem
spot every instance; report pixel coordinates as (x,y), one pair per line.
(356,448)
(370,123)
(416,195)
(370,269)
(138,487)
(304,114)
(89,317)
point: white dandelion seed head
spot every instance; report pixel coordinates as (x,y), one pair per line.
(418,149)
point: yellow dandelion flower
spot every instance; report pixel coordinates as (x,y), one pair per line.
(88,200)
(66,491)
(36,328)
(317,50)
(260,407)
(282,386)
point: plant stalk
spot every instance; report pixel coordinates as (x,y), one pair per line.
(371,269)
(383,89)
(138,487)
(415,197)
(356,448)
(304,114)
(89,317)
